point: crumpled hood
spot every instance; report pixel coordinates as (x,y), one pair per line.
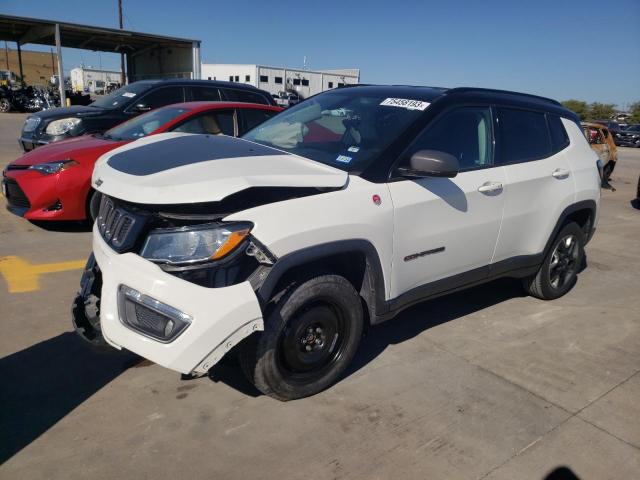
(171,168)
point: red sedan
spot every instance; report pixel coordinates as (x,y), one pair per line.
(53,182)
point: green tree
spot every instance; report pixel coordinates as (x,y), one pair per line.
(579,107)
(634,110)
(601,111)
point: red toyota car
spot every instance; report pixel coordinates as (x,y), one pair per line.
(53,182)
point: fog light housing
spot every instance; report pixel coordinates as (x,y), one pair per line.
(149,316)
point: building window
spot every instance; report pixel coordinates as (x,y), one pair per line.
(264,78)
(330,84)
(278,80)
(296,81)
(340,85)
(237,78)
(231,78)
(247,78)
(305,82)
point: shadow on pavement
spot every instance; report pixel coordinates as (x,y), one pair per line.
(63,226)
(43,383)
(431,313)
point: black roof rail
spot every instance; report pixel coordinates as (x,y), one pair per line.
(505,92)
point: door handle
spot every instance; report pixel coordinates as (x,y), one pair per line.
(490,187)
(560,173)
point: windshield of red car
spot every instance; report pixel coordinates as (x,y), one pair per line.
(145,124)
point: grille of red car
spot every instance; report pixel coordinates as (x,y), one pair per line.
(15,196)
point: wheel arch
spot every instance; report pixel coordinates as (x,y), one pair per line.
(357,260)
(583,213)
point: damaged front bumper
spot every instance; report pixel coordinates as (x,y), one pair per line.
(128,302)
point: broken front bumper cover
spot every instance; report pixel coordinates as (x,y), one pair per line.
(217,318)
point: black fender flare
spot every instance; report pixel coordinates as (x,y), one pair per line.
(582,205)
(373,287)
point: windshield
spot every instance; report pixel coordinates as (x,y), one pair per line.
(347,130)
(121,96)
(145,124)
(633,128)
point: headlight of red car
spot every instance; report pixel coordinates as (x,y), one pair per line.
(49,168)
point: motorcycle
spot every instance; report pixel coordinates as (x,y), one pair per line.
(26,99)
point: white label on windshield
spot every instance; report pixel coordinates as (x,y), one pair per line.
(129,94)
(405,103)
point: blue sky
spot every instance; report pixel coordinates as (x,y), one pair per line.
(589,50)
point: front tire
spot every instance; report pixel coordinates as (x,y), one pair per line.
(310,337)
(559,270)
(5,105)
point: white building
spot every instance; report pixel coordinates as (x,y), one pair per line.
(279,79)
(93,80)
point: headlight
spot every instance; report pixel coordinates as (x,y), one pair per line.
(50,168)
(194,244)
(60,127)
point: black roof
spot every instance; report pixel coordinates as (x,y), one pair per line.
(471,94)
(186,81)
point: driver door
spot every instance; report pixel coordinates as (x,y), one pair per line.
(448,227)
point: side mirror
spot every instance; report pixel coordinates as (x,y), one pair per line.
(431,163)
(141,108)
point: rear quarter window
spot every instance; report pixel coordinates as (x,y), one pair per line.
(244,96)
(523,136)
(559,137)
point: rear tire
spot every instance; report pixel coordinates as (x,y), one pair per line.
(558,272)
(5,106)
(310,337)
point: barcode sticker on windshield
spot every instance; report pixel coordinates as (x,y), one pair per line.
(129,94)
(405,103)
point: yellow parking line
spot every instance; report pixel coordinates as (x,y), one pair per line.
(22,276)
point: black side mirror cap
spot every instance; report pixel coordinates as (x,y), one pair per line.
(431,163)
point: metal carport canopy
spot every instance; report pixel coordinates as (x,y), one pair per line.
(139,47)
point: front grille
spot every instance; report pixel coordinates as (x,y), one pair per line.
(15,196)
(118,226)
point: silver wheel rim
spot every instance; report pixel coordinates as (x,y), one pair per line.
(563,262)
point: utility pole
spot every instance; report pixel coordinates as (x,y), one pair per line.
(121,53)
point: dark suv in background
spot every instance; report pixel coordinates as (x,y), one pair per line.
(60,123)
(615,128)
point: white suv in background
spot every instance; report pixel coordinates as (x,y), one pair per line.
(335,214)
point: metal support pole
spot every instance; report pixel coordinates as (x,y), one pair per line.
(20,64)
(122,79)
(197,74)
(6,54)
(63,96)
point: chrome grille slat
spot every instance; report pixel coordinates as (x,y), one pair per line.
(114,223)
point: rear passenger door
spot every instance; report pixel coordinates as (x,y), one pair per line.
(539,184)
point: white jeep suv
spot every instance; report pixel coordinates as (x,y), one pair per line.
(329,217)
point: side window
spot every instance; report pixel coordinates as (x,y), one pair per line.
(523,136)
(464,133)
(161,97)
(559,137)
(205,94)
(254,117)
(219,122)
(243,96)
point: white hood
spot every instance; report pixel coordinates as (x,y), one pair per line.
(186,168)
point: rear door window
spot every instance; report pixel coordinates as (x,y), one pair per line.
(205,94)
(523,136)
(243,96)
(253,117)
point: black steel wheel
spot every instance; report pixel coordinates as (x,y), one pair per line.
(559,270)
(310,337)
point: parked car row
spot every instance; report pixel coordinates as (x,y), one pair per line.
(320,221)
(623,135)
